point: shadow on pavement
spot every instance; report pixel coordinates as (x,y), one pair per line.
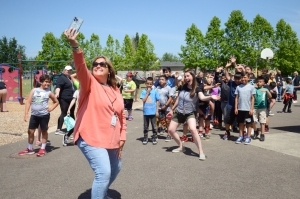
(188,151)
(48,149)
(292,129)
(111,192)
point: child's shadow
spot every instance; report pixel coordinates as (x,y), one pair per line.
(188,151)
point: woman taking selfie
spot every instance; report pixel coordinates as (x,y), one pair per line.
(101,124)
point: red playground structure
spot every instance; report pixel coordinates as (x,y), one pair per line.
(11,75)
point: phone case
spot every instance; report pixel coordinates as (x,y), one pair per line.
(76,23)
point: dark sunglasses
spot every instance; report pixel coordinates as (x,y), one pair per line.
(102,64)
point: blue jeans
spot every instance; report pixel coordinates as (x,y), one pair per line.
(104,163)
(279,88)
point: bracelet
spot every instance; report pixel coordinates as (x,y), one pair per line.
(75,48)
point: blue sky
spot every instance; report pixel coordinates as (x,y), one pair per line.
(164,21)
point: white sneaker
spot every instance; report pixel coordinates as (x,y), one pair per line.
(177,150)
(59,132)
(202,157)
(65,140)
(270,113)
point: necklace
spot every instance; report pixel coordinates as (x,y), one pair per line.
(103,84)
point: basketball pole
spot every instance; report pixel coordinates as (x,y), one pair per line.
(21,74)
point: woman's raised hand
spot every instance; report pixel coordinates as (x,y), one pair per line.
(71,36)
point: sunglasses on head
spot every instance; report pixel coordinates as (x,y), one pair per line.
(102,64)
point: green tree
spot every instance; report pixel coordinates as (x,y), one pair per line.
(261,36)
(192,54)
(214,43)
(109,49)
(145,58)
(135,41)
(287,48)
(50,50)
(9,50)
(117,57)
(94,49)
(170,57)
(237,35)
(128,53)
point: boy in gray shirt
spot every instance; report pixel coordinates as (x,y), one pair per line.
(166,93)
(244,106)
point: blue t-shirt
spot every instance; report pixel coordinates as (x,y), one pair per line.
(150,104)
(231,98)
(289,89)
(170,82)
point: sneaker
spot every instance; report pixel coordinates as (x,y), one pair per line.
(202,157)
(207,136)
(161,131)
(255,136)
(239,140)
(145,140)
(26,152)
(206,129)
(192,139)
(41,153)
(289,111)
(71,137)
(266,130)
(247,140)
(226,136)
(130,118)
(262,137)
(59,132)
(270,113)
(184,138)
(154,142)
(65,140)
(211,126)
(201,136)
(168,138)
(177,150)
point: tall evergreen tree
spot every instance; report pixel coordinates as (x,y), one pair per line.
(192,54)
(287,48)
(237,35)
(214,43)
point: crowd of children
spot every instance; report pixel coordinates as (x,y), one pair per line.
(240,101)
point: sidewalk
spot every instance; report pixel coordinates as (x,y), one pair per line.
(263,170)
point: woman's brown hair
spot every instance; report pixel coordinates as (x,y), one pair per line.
(111,80)
(194,83)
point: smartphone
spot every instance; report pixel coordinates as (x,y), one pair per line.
(76,23)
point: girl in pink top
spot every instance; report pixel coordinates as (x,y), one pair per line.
(100,130)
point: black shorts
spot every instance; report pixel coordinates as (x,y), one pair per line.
(128,104)
(204,110)
(230,116)
(274,95)
(36,121)
(244,116)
